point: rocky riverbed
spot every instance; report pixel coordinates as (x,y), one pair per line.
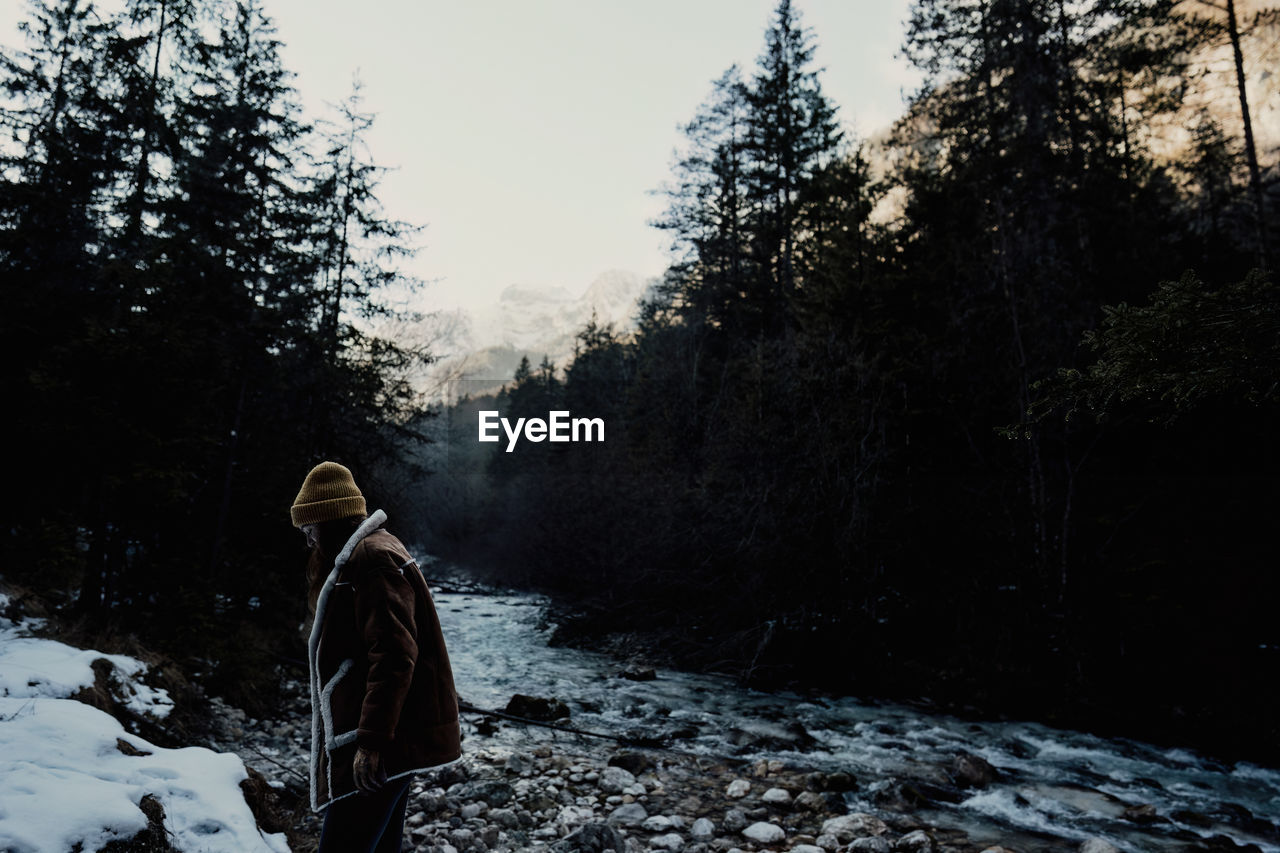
(522,787)
(755,770)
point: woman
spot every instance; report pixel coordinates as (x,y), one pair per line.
(383,703)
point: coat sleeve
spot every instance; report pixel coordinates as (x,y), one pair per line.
(384,605)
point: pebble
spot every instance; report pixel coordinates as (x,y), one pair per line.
(857,825)
(703,829)
(735,820)
(915,842)
(765,833)
(738,789)
(670,841)
(810,801)
(519,764)
(776,796)
(656,823)
(615,780)
(631,814)
(872,844)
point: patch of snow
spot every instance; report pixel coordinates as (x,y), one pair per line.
(64,781)
(32,667)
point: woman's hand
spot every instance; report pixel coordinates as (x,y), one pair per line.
(368,771)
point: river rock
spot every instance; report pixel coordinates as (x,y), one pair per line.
(871,844)
(776,796)
(505,818)
(670,841)
(915,842)
(857,825)
(735,820)
(631,814)
(1097,845)
(827,842)
(591,838)
(765,833)
(810,801)
(519,764)
(972,771)
(839,781)
(538,708)
(1141,814)
(633,762)
(475,809)
(656,823)
(615,780)
(574,816)
(738,789)
(493,793)
(702,830)
(806,848)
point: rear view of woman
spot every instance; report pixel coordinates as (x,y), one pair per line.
(383,703)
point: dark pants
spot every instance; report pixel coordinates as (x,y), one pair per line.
(367,823)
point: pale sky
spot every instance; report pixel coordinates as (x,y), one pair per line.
(527,134)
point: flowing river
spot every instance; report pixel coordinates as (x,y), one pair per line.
(1054,786)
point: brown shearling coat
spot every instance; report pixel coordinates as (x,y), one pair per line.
(380,674)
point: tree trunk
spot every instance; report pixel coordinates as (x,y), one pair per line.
(1251,152)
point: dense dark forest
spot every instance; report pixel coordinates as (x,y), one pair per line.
(191,273)
(983,412)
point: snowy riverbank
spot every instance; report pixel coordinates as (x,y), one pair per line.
(73,778)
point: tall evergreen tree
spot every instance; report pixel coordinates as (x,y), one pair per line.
(792,134)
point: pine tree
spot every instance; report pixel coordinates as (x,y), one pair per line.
(359,250)
(707,209)
(792,135)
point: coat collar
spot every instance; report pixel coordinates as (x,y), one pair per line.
(366,527)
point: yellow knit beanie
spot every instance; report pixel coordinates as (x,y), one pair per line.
(328,494)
